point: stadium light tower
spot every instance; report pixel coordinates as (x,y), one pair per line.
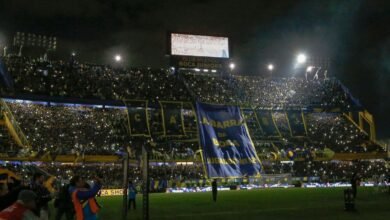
(301,58)
(118,58)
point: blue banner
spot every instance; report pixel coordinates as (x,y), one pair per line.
(228,150)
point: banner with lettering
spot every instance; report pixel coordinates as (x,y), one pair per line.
(228,150)
(138,117)
(173,123)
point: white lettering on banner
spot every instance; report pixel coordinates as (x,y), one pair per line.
(111,192)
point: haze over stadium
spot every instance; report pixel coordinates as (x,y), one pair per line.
(194,109)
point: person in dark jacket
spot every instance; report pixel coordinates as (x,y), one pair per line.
(132,193)
(9,193)
(64,204)
(355,182)
(214,189)
(43,196)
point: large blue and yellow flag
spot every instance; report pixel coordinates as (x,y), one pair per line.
(228,150)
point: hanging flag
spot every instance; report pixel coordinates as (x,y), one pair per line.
(138,117)
(267,123)
(172,118)
(156,125)
(297,123)
(5,77)
(228,150)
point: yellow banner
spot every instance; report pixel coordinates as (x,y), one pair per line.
(111,192)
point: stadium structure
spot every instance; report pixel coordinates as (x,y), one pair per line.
(74,112)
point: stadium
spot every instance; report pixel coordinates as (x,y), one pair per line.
(275,147)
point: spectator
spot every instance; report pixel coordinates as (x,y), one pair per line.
(22,208)
(132,193)
(9,194)
(81,195)
(63,203)
(355,182)
(43,196)
(214,188)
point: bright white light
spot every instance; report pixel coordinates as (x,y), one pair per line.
(213,71)
(301,58)
(118,58)
(270,67)
(197,70)
(73,53)
(206,70)
(309,69)
(232,66)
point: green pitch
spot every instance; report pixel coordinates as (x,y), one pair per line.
(295,203)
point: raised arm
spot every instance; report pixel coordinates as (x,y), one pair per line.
(89,193)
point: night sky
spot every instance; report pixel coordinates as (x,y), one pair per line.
(354,35)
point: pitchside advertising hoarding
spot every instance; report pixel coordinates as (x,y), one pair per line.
(198,51)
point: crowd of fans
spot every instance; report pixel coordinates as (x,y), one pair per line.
(342,170)
(330,171)
(272,93)
(91,81)
(171,175)
(160,175)
(339,134)
(74,130)
(90,130)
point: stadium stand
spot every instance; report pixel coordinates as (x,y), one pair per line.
(305,121)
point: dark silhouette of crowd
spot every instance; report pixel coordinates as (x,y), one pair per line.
(91,81)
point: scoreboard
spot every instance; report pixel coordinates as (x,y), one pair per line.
(198,51)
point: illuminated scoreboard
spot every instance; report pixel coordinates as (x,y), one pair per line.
(198,51)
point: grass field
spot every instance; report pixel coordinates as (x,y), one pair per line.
(294,203)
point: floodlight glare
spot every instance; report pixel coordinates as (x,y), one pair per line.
(232,66)
(309,69)
(301,58)
(118,58)
(270,67)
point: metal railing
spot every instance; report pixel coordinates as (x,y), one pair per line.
(8,114)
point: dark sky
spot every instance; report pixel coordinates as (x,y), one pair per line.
(354,35)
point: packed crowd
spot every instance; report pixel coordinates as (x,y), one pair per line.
(265,92)
(167,174)
(91,81)
(339,134)
(324,130)
(342,170)
(291,92)
(74,130)
(87,130)
(81,130)
(330,171)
